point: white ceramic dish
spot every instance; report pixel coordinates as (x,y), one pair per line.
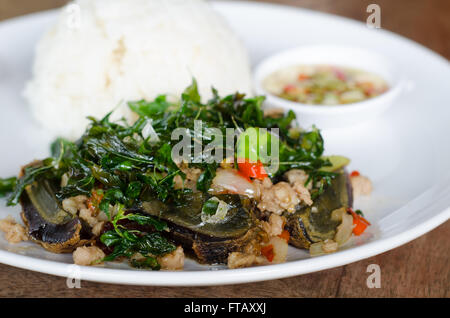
(405,151)
(335,116)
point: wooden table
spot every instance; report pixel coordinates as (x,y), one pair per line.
(420,268)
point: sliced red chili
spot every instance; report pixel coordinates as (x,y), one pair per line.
(252,169)
(94,200)
(360,223)
(355,173)
(289,88)
(285,235)
(267,251)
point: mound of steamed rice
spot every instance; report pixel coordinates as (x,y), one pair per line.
(102,53)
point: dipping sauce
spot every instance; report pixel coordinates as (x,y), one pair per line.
(324,84)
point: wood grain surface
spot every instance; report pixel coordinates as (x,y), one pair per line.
(420,268)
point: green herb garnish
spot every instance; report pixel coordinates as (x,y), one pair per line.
(7,185)
(128,243)
(129,167)
(210,206)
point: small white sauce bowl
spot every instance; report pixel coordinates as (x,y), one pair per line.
(331,116)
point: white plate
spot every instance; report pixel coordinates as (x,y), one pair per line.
(405,152)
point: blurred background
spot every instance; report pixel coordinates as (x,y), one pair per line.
(424,21)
